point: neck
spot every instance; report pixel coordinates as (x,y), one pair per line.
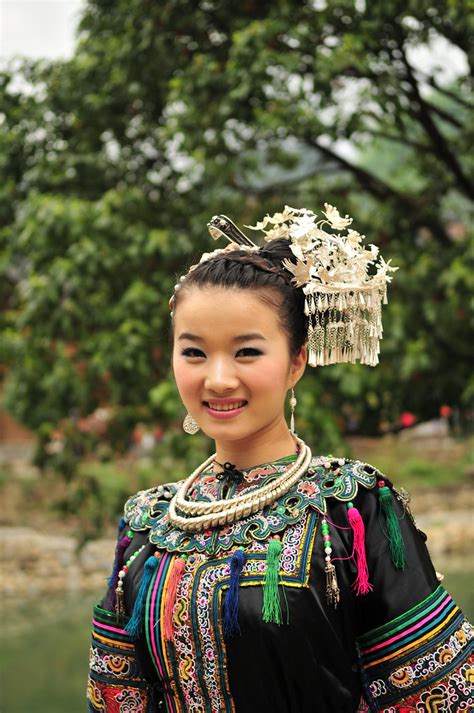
(260,448)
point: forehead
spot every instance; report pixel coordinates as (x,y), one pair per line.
(214,311)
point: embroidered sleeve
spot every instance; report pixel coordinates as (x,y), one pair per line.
(420,661)
(415,644)
(116,683)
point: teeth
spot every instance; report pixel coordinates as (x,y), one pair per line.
(226,407)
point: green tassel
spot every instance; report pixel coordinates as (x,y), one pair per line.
(271,610)
(395,538)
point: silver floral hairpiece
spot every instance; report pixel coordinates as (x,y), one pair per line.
(345,283)
(343,299)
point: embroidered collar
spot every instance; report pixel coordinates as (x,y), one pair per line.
(326,477)
(209,487)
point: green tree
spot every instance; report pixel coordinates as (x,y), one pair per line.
(112,163)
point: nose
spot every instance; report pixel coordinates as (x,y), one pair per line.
(221,376)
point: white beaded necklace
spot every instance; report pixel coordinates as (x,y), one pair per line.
(203,515)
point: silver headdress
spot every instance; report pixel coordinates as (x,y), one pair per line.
(344,282)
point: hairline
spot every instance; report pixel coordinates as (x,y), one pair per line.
(263,296)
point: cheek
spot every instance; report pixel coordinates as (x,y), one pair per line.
(271,377)
(184,377)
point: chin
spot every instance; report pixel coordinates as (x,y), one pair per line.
(225,434)
(227,431)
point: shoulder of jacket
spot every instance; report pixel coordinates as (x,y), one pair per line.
(149,505)
(341,477)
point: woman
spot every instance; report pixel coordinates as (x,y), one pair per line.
(271,579)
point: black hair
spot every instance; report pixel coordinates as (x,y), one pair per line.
(261,271)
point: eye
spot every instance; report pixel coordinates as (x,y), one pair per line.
(248,352)
(193,353)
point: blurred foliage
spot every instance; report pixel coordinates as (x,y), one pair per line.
(113,161)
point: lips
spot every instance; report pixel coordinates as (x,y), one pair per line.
(227,408)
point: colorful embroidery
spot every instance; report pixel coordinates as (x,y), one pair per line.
(420,658)
(120,666)
(119,699)
(193,665)
(324,479)
(115,680)
(452,693)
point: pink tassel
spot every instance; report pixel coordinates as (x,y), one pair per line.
(361,584)
(172,587)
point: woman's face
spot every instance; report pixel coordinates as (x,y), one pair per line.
(231,363)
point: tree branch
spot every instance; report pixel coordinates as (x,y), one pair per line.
(436,137)
(417,208)
(372,183)
(398,139)
(419,211)
(443,90)
(270,188)
(444,114)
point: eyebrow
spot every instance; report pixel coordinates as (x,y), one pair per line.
(240,338)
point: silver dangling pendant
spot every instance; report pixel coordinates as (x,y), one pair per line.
(190,426)
(293,403)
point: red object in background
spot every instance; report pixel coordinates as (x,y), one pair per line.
(70,349)
(84,425)
(445,411)
(137,435)
(407,419)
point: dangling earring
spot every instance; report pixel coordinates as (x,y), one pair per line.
(190,426)
(293,403)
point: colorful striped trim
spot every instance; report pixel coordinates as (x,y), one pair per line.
(415,651)
(106,629)
(410,630)
(154,638)
(376,634)
(115,681)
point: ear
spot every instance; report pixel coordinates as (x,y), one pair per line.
(297,367)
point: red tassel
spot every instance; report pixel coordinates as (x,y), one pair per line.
(170,596)
(361,584)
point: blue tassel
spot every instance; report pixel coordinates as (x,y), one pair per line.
(231,602)
(134,625)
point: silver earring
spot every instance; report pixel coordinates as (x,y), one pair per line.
(293,403)
(190,426)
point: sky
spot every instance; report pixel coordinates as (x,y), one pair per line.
(38,28)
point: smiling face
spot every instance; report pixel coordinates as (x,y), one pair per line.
(232,367)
